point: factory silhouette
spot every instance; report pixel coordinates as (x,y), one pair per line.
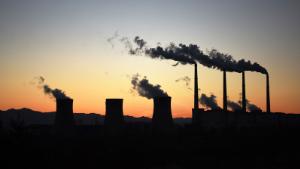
(213,138)
(215,118)
(162,112)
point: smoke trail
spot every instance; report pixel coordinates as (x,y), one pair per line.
(226,62)
(209,101)
(191,54)
(250,106)
(181,54)
(140,46)
(111,39)
(248,66)
(140,42)
(234,106)
(56,93)
(145,88)
(172,52)
(187,81)
(127,45)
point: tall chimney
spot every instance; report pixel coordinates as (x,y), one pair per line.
(224,91)
(243,92)
(64,117)
(268,94)
(162,115)
(196,112)
(114,112)
(196,95)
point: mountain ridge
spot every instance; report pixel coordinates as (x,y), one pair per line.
(33,117)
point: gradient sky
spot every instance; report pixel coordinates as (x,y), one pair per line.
(66,42)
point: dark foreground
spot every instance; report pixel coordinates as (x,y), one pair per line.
(138,147)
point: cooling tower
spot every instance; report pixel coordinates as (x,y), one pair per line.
(64,117)
(244,106)
(114,112)
(224,91)
(162,115)
(268,93)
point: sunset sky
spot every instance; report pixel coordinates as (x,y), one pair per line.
(66,42)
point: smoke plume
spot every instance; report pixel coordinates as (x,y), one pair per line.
(127,44)
(145,88)
(209,101)
(234,106)
(186,80)
(248,66)
(191,54)
(56,93)
(171,52)
(140,42)
(225,62)
(140,45)
(111,39)
(250,106)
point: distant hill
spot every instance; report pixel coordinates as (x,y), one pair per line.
(32,117)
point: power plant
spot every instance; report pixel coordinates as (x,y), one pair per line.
(64,117)
(114,112)
(162,114)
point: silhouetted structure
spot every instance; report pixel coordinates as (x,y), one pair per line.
(244,103)
(64,117)
(114,112)
(162,114)
(268,93)
(195,111)
(196,95)
(224,91)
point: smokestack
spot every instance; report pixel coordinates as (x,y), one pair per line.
(196,95)
(268,93)
(162,115)
(224,91)
(114,112)
(244,102)
(64,113)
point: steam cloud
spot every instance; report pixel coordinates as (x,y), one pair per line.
(209,101)
(172,52)
(187,81)
(111,39)
(225,62)
(250,106)
(127,44)
(191,54)
(140,42)
(145,88)
(56,93)
(234,106)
